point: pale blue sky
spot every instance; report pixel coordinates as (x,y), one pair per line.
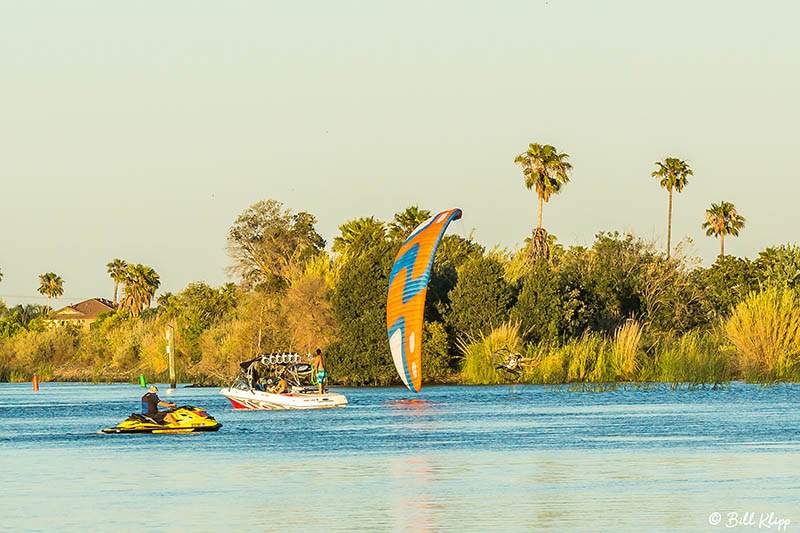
(141,130)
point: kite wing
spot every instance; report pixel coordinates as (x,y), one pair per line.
(408,285)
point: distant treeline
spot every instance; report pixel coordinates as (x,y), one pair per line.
(617,311)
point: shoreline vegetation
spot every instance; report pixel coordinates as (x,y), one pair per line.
(588,318)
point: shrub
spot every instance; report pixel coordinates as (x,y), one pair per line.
(765,329)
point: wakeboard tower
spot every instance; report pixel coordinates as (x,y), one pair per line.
(283,380)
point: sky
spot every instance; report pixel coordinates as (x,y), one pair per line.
(142,130)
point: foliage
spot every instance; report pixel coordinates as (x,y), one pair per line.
(480,300)
(453,252)
(541,308)
(625,347)
(406,221)
(139,286)
(778,266)
(267,241)
(358,235)
(673,174)
(727,282)
(478,353)
(51,285)
(194,310)
(545,171)
(616,311)
(765,329)
(723,219)
(360,355)
(309,318)
(118,270)
(436,360)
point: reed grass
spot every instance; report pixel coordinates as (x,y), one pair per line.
(765,331)
(625,349)
(479,367)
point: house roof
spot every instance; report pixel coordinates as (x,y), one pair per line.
(85,310)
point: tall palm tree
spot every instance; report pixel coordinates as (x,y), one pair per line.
(722,219)
(139,286)
(545,170)
(406,221)
(117,269)
(52,285)
(674,175)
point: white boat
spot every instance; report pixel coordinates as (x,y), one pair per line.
(276,381)
(294,399)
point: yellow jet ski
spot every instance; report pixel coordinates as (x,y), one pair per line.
(189,419)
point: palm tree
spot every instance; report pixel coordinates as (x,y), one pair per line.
(722,219)
(362,231)
(117,269)
(406,222)
(546,171)
(52,285)
(674,174)
(139,286)
(1,275)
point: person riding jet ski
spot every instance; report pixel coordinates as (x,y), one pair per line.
(150,404)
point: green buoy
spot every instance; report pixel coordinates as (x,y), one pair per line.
(142,382)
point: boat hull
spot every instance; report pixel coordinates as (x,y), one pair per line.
(247,399)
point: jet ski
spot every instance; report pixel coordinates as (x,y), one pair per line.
(189,419)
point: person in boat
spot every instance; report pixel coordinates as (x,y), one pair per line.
(276,388)
(255,379)
(319,368)
(150,404)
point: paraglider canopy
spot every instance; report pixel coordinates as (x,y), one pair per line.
(408,285)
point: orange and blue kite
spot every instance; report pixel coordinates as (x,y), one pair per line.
(405,303)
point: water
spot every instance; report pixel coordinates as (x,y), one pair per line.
(467,458)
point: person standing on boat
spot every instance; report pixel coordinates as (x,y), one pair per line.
(319,367)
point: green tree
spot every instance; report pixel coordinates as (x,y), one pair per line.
(540,309)
(361,354)
(453,252)
(673,174)
(139,287)
(480,300)
(269,242)
(778,266)
(546,171)
(723,219)
(436,360)
(729,280)
(52,285)
(195,309)
(359,234)
(117,269)
(406,221)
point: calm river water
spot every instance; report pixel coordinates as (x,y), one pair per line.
(466,458)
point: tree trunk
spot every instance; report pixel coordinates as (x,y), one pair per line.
(539,247)
(539,221)
(669,222)
(116,284)
(722,244)
(48,304)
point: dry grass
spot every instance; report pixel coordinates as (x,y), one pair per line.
(765,330)
(478,353)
